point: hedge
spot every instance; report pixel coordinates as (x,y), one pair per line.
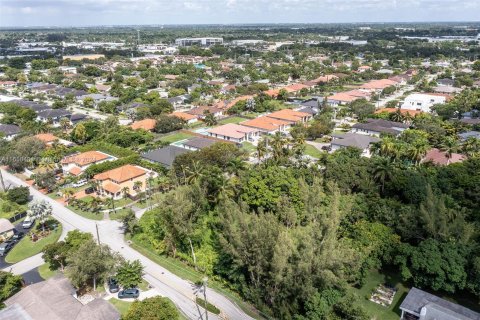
(106,147)
(109,165)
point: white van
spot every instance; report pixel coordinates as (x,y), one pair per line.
(28,222)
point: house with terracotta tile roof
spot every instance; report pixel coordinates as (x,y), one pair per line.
(291,116)
(145,124)
(49,139)
(128,177)
(76,164)
(199,112)
(188,118)
(441,158)
(378,85)
(341,98)
(234,132)
(267,125)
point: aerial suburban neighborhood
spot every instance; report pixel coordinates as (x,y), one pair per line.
(259,171)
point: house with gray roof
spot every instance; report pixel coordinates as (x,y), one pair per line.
(359,141)
(35,106)
(375,127)
(164,156)
(9,131)
(53,116)
(463,136)
(421,305)
(55,299)
(197,143)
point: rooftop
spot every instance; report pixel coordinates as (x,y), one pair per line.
(165,155)
(232,130)
(435,307)
(122,173)
(53,300)
(85,158)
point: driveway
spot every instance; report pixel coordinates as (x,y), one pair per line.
(19,228)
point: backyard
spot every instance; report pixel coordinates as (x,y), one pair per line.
(176,136)
(232,120)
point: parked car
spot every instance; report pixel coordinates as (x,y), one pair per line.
(17,236)
(113,285)
(129,293)
(28,223)
(79,183)
(5,247)
(89,190)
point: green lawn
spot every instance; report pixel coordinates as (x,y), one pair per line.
(248,147)
(312,151)
(87,214)
(26,248)
(186,272)
(375,310)
(8,209)
(118,215)
(45,272)
(174,137)
(122,306)
(143,285)
(232,120)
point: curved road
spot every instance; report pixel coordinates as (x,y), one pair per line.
(180,291)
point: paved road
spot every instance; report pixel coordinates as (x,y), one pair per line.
(111,233)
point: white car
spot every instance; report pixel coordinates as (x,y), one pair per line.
(79,183)
(28,223)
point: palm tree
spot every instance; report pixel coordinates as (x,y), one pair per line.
(278,144)
(65,124)
(417,151)
(68,193)
(397,116)
(193,172)
(262,149)
(125,191)
(449,146)
(471,147)
(383,171)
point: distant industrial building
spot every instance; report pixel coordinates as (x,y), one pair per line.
(203,42)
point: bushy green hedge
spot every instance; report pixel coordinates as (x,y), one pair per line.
(109,148)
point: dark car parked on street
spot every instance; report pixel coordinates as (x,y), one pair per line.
(113,285)
(17,236)
(128,293)
(5,247)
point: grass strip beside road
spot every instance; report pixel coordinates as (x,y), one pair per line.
(208,306)
(185,272)
(26,248)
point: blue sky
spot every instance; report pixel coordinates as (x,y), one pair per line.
(109,12)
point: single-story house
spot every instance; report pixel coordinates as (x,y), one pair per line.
(200,111)
(179,101)
(77,117)
(145,124)
(188,118)
(9,131)
(234,132)
(76,164)
(55,299)
(53,116)
(164,156)
(359,141)
(268,125)
(378,85)
(97,98)
(6,229)
(114,182)
(49,139)
(375,127)
(421,305)
(197,143)
(290,115)
(439,157)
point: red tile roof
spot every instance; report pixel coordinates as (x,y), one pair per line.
(121,174)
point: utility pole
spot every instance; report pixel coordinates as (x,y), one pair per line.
(98,234)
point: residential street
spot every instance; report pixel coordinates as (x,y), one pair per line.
(110,232)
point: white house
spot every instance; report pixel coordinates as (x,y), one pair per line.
(422,102)
(234,132)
